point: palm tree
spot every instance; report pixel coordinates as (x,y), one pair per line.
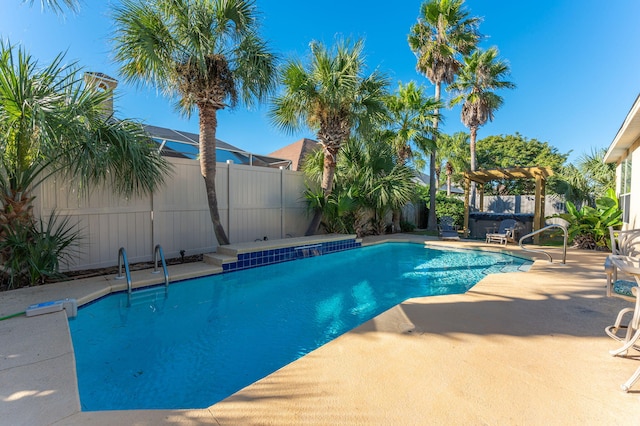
(589,179)
(482,73)
(51,122)
(332,96)
(444,32)
(453,150)
(57,5)
(206,53)
(601,175)
(369,182)
(411,117)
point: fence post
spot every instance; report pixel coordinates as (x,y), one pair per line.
(282,203)
(229,215)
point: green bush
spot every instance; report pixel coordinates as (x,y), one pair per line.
(407,226)
(589,227)
(445,206)
(32,252)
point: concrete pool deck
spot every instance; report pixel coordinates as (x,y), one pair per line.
(518,348)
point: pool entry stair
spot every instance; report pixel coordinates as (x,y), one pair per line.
(240,256)
(158,255)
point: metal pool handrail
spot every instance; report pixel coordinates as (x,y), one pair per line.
(564,245)
(158,252)
(122,259)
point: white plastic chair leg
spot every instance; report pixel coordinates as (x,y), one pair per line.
(630,342)
(627,385)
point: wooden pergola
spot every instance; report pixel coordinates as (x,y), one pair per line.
(540,174)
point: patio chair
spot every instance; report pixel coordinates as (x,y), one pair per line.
(447,229)
(631,330)
(505,233)
(623,243)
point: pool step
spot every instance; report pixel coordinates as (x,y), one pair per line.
(148,296)
(218,259)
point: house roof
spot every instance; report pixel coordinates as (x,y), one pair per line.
(184,137)
(423,179)
(297,151)
(185,145)
(628,133)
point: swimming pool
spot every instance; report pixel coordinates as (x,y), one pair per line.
(212,336)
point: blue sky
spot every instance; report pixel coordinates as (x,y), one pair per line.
(576,64)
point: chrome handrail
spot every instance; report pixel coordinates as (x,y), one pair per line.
(564,245)
(122,259)
(158,252)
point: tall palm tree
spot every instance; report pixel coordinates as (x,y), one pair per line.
(332,96)
(444,32)
(411,118)
(482,74)
(50,121)
(206,53)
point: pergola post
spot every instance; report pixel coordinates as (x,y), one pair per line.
(481,195)
(538,213)
(467,185)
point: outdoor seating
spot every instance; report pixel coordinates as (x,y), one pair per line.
(504,234)
(625,257)
(629,330)
(447,229)
(623,243)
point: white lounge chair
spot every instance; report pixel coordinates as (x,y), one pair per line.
(505,233)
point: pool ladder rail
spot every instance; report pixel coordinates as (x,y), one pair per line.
(564,245)
(158,254)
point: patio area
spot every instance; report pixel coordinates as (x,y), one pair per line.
(518,348)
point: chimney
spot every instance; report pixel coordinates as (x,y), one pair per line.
(102,82)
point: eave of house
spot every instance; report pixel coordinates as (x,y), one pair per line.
(629,132)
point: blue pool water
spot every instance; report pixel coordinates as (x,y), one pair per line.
(212,336)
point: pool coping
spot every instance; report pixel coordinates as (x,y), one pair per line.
(46,379)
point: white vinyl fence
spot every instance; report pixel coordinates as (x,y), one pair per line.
(254,203)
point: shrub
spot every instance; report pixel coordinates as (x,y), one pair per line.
(445,206)
(407,226)
(589,227)
(32,252)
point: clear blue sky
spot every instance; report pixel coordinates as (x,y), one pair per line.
(576,64)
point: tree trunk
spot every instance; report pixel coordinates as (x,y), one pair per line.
(315,223)
(208,125)
(431,220)
(328,172)
(473,131)
(396,215)
(449,172)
